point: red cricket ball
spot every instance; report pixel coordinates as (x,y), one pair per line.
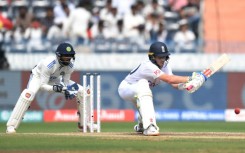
(237,110)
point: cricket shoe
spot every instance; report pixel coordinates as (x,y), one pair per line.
(80,128)
(10,130)
(152,130)
(139,128)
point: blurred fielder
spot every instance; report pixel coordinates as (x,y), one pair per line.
(136,87)
(51,74)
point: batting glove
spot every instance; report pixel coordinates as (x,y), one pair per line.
(195,84)
(197,75)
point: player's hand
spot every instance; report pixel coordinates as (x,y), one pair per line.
(181,86)
(195,84)
(191,87)
(58,87)
(73,87)
(196,75)
(70,94)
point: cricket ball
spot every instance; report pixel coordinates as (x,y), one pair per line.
(237,110)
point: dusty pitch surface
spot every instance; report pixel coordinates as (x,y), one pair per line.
(162,136)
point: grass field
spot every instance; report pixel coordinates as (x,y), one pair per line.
(175,137)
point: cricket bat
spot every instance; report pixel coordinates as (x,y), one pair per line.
(214,67)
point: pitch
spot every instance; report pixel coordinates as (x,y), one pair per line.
(175,137)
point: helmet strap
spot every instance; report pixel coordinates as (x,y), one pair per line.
(152,59)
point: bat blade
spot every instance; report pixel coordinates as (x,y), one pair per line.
(216,65)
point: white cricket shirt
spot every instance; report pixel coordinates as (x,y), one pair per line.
(149,71)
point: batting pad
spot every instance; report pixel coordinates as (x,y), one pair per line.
(80,109)
(145,104)
(20,108)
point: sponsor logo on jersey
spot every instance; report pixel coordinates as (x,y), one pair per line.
(27,95)
(157,72)
(52,77)
(151,84)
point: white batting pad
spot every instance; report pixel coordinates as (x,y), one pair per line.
(145,104)
(20,108)
(80,109)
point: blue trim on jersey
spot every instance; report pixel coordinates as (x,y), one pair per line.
(50,65)
(71,65)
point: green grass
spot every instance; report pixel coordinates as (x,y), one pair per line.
(39,137)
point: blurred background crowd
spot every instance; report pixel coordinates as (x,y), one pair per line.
(31,26)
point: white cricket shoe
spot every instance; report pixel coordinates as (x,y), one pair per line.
(80,128)
(139,128)
(152,130)
(10,130)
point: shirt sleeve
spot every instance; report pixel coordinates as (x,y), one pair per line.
(47,87)
(167,70)
(67,78)
(45,75)
(69,71)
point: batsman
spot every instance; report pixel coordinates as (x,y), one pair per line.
(51,74)
(136,87)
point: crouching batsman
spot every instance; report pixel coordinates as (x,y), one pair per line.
(51,74)
(136,87)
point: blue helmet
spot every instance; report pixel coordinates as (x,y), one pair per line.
(65,53)
(158,49)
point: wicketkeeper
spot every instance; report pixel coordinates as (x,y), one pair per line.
(51,74)
(136,87)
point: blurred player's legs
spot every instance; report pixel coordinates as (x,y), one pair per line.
(20,108)
(23,104)
(140,95)
(146,108)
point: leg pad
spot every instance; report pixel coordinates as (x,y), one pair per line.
(20,108)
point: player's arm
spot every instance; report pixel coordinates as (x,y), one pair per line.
(66,78)
(174,79)
(201,77)
(51,88)
(195,81)
(177,82)
(45,76)
(179,86)
(196,78)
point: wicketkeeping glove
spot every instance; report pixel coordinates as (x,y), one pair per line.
(70,94)
(58,87)
(71,91)
(73,87)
